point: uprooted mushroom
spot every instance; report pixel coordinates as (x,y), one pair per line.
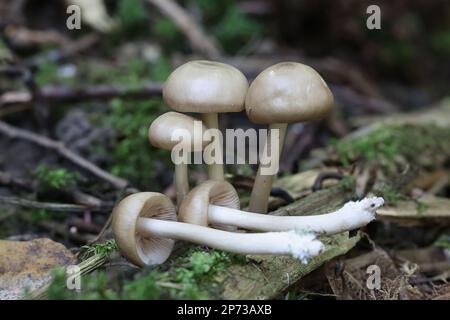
(216,203)
(144,226)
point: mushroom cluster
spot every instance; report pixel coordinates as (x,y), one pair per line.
(146,224)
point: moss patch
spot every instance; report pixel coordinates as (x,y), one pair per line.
(391,143)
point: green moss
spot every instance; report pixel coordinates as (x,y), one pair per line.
(443,241)
(390,194)
(133,157)
(235,30)
(348,182)
(104,249)
(35,215)
(193,278)
(390,142)
(55,179)
(194,274)
(422,207)
(132,14)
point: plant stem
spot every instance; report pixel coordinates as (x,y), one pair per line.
(215,170)
(259,198)
(181,181)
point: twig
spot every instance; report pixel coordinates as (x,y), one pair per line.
(325,176)
(60,93)
(102,231)
(61,149)
(7,179)
(200,42)
(62,207)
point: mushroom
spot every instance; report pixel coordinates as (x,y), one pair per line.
(145,227)
(283,93)
(217,203)
(163,134)
(207,87)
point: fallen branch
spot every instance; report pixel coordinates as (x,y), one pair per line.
(200,42)
(60,93)
(16,133)
(61,207)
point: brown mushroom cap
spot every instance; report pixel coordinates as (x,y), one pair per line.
(205,87)
(139,249)
(194,208)
(288,92)
(162,128)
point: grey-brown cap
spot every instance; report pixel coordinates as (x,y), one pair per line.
(288,92)
(162,128)
(194,208)
(205,87)
(139,249)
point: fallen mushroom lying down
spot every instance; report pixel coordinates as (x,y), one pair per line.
(217,203)
(145,227)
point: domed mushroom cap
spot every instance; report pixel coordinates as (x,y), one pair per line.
(288,92)
(139,249)
(205,86)
(194,208)
(162,128)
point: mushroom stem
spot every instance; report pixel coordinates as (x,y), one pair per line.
(300,246)
(351,216)
(215,170)
(181,182)
(259,198)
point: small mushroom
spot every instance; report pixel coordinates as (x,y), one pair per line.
(283,93)
(209,88)
(145,227)
(217,203)
(160,135)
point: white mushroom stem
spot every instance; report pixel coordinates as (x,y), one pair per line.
(181,182)
(215,170)
(259,198)
(351,216)
(300,246)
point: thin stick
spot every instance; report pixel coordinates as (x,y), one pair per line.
(62,207)
(61,149)
(60,93)
(200,42)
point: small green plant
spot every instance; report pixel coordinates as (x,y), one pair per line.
(132,14)
(443,241)
(391,195)
(104,249)
(422,207)
(55,178)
